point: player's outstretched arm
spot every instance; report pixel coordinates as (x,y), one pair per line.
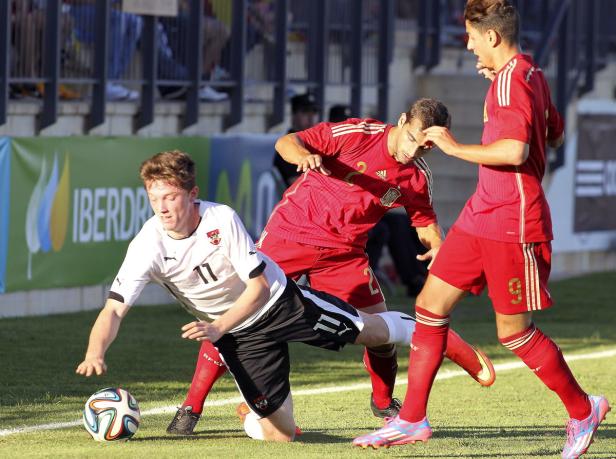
(104,331)
(254,296)
(503,152)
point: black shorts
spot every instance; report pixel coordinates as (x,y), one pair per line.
(258,356)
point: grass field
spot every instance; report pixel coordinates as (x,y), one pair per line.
(516,418)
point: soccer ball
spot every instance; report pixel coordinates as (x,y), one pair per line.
(111,414)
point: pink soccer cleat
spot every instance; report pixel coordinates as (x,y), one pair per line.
(396,432)
(580,433)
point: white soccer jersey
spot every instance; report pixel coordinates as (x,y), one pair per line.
(205,271)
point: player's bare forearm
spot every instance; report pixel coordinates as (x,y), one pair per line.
(431,237)
(103,332)
(504,152)
(292,150)
(254,296)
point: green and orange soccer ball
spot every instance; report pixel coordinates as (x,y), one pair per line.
(111,414)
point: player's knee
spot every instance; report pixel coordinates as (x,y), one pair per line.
(278,434)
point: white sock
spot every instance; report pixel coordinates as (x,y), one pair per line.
(252,426)
(401,327)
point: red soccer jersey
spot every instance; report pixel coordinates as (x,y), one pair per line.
(365,182)
(509,204)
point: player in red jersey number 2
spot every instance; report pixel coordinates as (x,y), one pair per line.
(501,238)
(353,172)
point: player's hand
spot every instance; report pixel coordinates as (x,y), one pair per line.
(201,331)
(442,137)
(486,72)
(92,365)
(314,162)
(429,255)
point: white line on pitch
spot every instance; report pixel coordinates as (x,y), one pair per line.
(507,366)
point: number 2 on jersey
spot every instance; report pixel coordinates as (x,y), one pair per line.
(373,289)
(203,275)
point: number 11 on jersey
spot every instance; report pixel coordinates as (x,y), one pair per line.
(206,277)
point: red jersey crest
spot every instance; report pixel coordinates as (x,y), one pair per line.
(214,236)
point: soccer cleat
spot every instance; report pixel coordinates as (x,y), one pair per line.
(184,421)
(396,432)
(389,412)
(242,411)
(487,375)
(580,433)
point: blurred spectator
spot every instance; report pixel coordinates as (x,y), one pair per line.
(339,113)
(124,33)
(173,36)
(28,21)
(304,114)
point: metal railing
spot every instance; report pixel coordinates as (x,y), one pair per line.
(52,46)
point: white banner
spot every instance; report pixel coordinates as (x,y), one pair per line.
(151,7)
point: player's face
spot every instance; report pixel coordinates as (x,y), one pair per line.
(174,207)
(479,43)
(412,143)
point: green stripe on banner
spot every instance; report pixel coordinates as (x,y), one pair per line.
(5,202)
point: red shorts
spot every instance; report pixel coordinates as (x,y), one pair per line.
(516,274)
(344,273)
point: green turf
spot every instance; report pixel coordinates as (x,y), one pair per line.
(517,417)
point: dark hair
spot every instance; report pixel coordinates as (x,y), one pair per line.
(498,15)
(174,167)
(339,113)
(430,112)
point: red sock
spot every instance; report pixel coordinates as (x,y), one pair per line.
(427,349)
(382,366)
(544,358)
(209,369)
(462,353)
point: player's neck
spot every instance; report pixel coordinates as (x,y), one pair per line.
(392,141)
(192,223)
(504,55)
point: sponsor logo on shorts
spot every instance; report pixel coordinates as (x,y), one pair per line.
(214,236)
(261,402)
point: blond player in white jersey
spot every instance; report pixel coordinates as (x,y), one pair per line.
(201,253)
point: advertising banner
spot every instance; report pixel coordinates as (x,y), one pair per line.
(241,177)
(75,203)
(595,174)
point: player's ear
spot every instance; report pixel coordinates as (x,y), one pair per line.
(402,119)
(493,37)
(194,192)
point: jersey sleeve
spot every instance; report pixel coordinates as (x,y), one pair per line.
(240,248)
(419,200)
(513,109)
(133,276)
(326,139)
